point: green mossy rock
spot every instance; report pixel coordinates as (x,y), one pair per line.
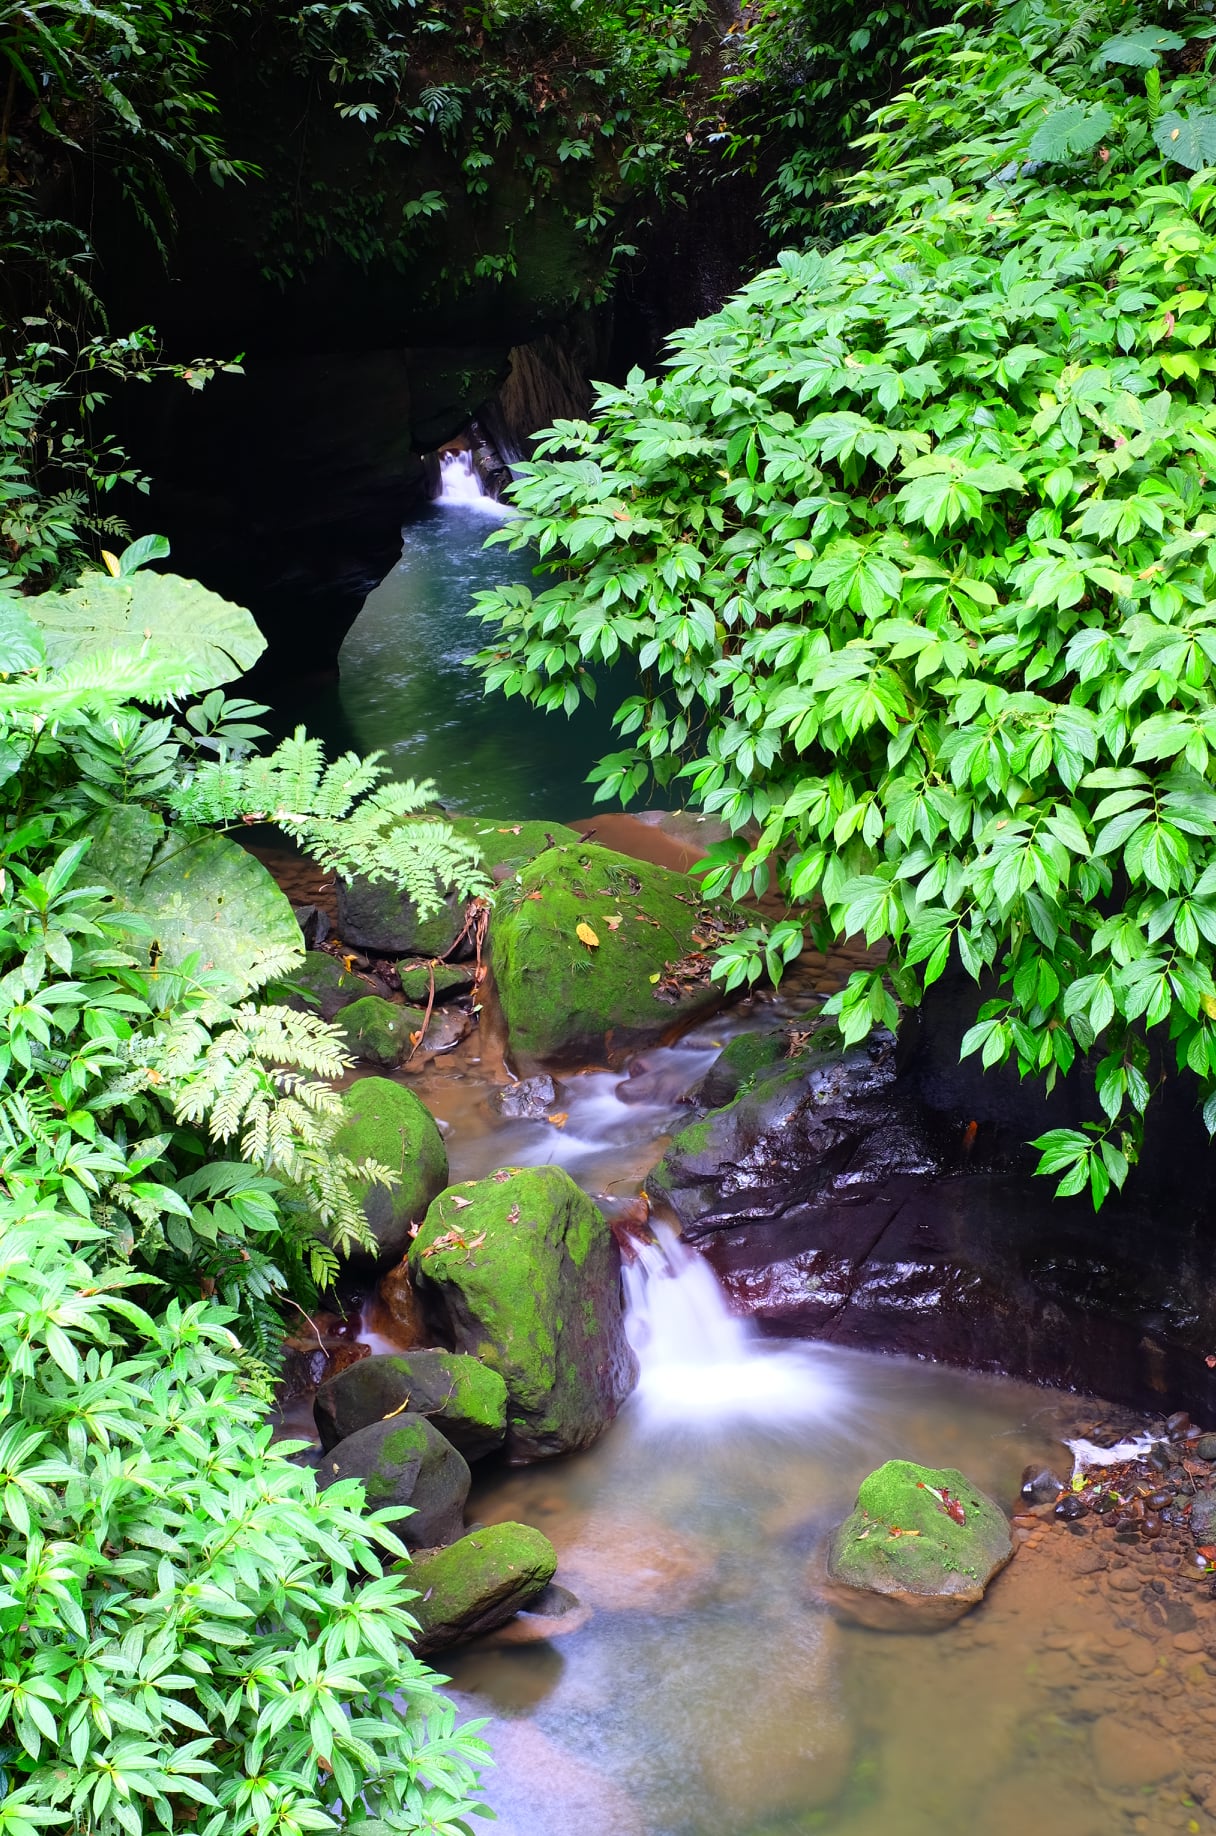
(565,1001)
(747,1060)
(379,1031)
(406,1461)
(466,1402)
(373,915)
(526,1274)
(478,1583)
(450,979)
(901,1560)
(506,843)
(332,986)
(388,1123)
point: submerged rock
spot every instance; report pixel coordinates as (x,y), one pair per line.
(465,1401)
(380,1032)
(388,1124)
(525,1273)
(406,1461)
(918,1550)
(566,997)
(478,1582)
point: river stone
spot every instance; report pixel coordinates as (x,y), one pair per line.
(466,1402)
(373,915)
(529,1100)
(387,1123)
(1203,1517)
(332,987)
(400,1297)
(564,999)
(525,1273)
(378,1031)
(406,1461)
(478,1582)
(450,979)
(935,1569)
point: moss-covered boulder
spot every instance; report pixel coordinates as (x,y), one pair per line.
(387,1123)
(638,971)
(406,1461)
(373,915)
(745,1061)
(380,1032)
(478,1583)
(512,844)
(466,1401)
(918,1550)
(526,1275)
(450,979)
(331,987)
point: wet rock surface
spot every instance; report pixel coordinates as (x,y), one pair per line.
(885,1197)
(478,1582)
(464,1400)
(406,1461)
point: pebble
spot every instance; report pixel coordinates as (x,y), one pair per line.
(1188,1641)
(1125,1583)
(1138,1658)
(1129,1758)
(1205,1447)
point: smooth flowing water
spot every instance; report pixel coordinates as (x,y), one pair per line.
(404,688)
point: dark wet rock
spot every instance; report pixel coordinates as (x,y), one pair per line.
(1205,1447)
(529,1100)
(373,915)
(1177,1424)
(1040,1485)
(389,1125)
(314,923)
(465,1401)
(903,1562)
(747,1060)
(1069,1507)
(404,1308)
(885,1197)
(522,1270)
(478,1582)
(1203,1517)
(406,1461)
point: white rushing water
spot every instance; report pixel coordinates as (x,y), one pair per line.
(460,487)
(702,1367)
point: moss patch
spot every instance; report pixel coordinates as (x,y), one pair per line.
(388,1124)
(466,1401)
(450,978)
(901,1538)
(478,1582)
(565,999)
(406,1461)
(378,1031)
(331,986)
(505,842)
(527,1275)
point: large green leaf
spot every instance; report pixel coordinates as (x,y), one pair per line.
(203,896)
(1189,139)
(1140,49)
(160,615)
(20,640)
(1068,130)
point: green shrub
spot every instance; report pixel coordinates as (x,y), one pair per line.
(914,547)
(188,1640)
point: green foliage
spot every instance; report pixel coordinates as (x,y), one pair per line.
(806,75)
(343,817)
(187,1641)
(915,547)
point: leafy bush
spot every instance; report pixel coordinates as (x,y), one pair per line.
(914,546)
(187,1639)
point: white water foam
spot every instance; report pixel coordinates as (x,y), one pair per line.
(1086,1454)
(700,1366)
(460,487)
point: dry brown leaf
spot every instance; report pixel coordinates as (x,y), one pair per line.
(614,923)
(460,1203)
(586,935)
(560,1118)
(513,1215)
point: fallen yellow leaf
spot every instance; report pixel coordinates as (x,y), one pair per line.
(586,935)
(656,977)
(614,923)
(560,1118)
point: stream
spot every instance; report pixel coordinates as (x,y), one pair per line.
(701,1688)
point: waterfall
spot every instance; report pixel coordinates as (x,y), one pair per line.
(460,487)
(702,1366)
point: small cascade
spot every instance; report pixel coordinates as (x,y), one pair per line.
(700,1366)
(460,488)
